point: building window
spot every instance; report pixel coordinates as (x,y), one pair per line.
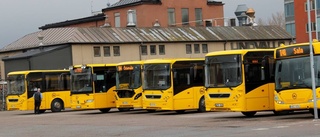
(106,51)
(291,28)
(196,48)
(188,49)
(198,12)
(204,48)
(312,5)
(153,50)
(162,50)
(313,27)
(134,17)
(289,9)
(117,19)
(185,16)
(144,50)
(171,16)
(116,50)
(96,51)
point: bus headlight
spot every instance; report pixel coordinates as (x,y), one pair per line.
(277,100)
(89,100)
(310,100)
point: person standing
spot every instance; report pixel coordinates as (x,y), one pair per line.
(37,101)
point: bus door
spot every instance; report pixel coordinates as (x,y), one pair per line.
(183,93)
(34,81)
(257,86)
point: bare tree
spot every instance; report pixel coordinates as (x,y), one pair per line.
(276,19)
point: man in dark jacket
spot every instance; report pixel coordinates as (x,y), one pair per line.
(37,101)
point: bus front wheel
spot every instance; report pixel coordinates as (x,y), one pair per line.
(202,105)
(105,110)
(249,114)
(56,105)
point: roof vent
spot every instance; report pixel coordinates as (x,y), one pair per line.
(156,23)
(40,37)
(106,23)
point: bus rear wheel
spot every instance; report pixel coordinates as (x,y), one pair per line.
(202,105)
(312,112)
(180,111)
(56,105)
(249,114)
(105,110)
(151,110)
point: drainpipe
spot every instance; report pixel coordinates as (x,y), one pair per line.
(225,45)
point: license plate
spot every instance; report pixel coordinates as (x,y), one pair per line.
(13,106)
(218,105)
(78,106)
(294,106)
(152,104)
(124,102)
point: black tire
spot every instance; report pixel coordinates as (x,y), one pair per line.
(249,114)
(124,109)
(105,110)
(202,105)
(151,110)
(42,111)
(312,112)
(56,105)
(277,113)
(180,111)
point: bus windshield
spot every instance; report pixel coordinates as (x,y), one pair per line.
(129,78)
(296,73)
(16,84)
(157,76)
(81,81)
(223,71)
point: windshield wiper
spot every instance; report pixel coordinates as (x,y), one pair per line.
(227,84)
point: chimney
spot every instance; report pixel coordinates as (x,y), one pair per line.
(130,19)
(241,14)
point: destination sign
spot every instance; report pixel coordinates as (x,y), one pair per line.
(293,51)
(125,67)
(78,70)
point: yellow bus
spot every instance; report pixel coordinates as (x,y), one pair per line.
(54,84)
(173,84)
(129,85)
(240,81)
(92,87)
(293,84)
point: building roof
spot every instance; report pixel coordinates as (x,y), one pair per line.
(75,35)
(97,17)
(128,3)
(33,52)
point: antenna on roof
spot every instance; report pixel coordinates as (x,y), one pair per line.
(94,12)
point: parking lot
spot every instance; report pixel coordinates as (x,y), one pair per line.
(159,124)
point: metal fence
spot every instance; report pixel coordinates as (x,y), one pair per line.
(3,89)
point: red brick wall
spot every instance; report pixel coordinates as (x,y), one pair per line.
(301,19)
(147,14)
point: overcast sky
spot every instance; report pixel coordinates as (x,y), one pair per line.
(21,17)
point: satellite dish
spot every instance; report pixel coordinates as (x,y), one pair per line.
(108,4)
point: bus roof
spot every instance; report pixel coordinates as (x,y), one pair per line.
(173,60)
(232,52)
(298,44)
(96,65)
(131,62)
(31,71)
